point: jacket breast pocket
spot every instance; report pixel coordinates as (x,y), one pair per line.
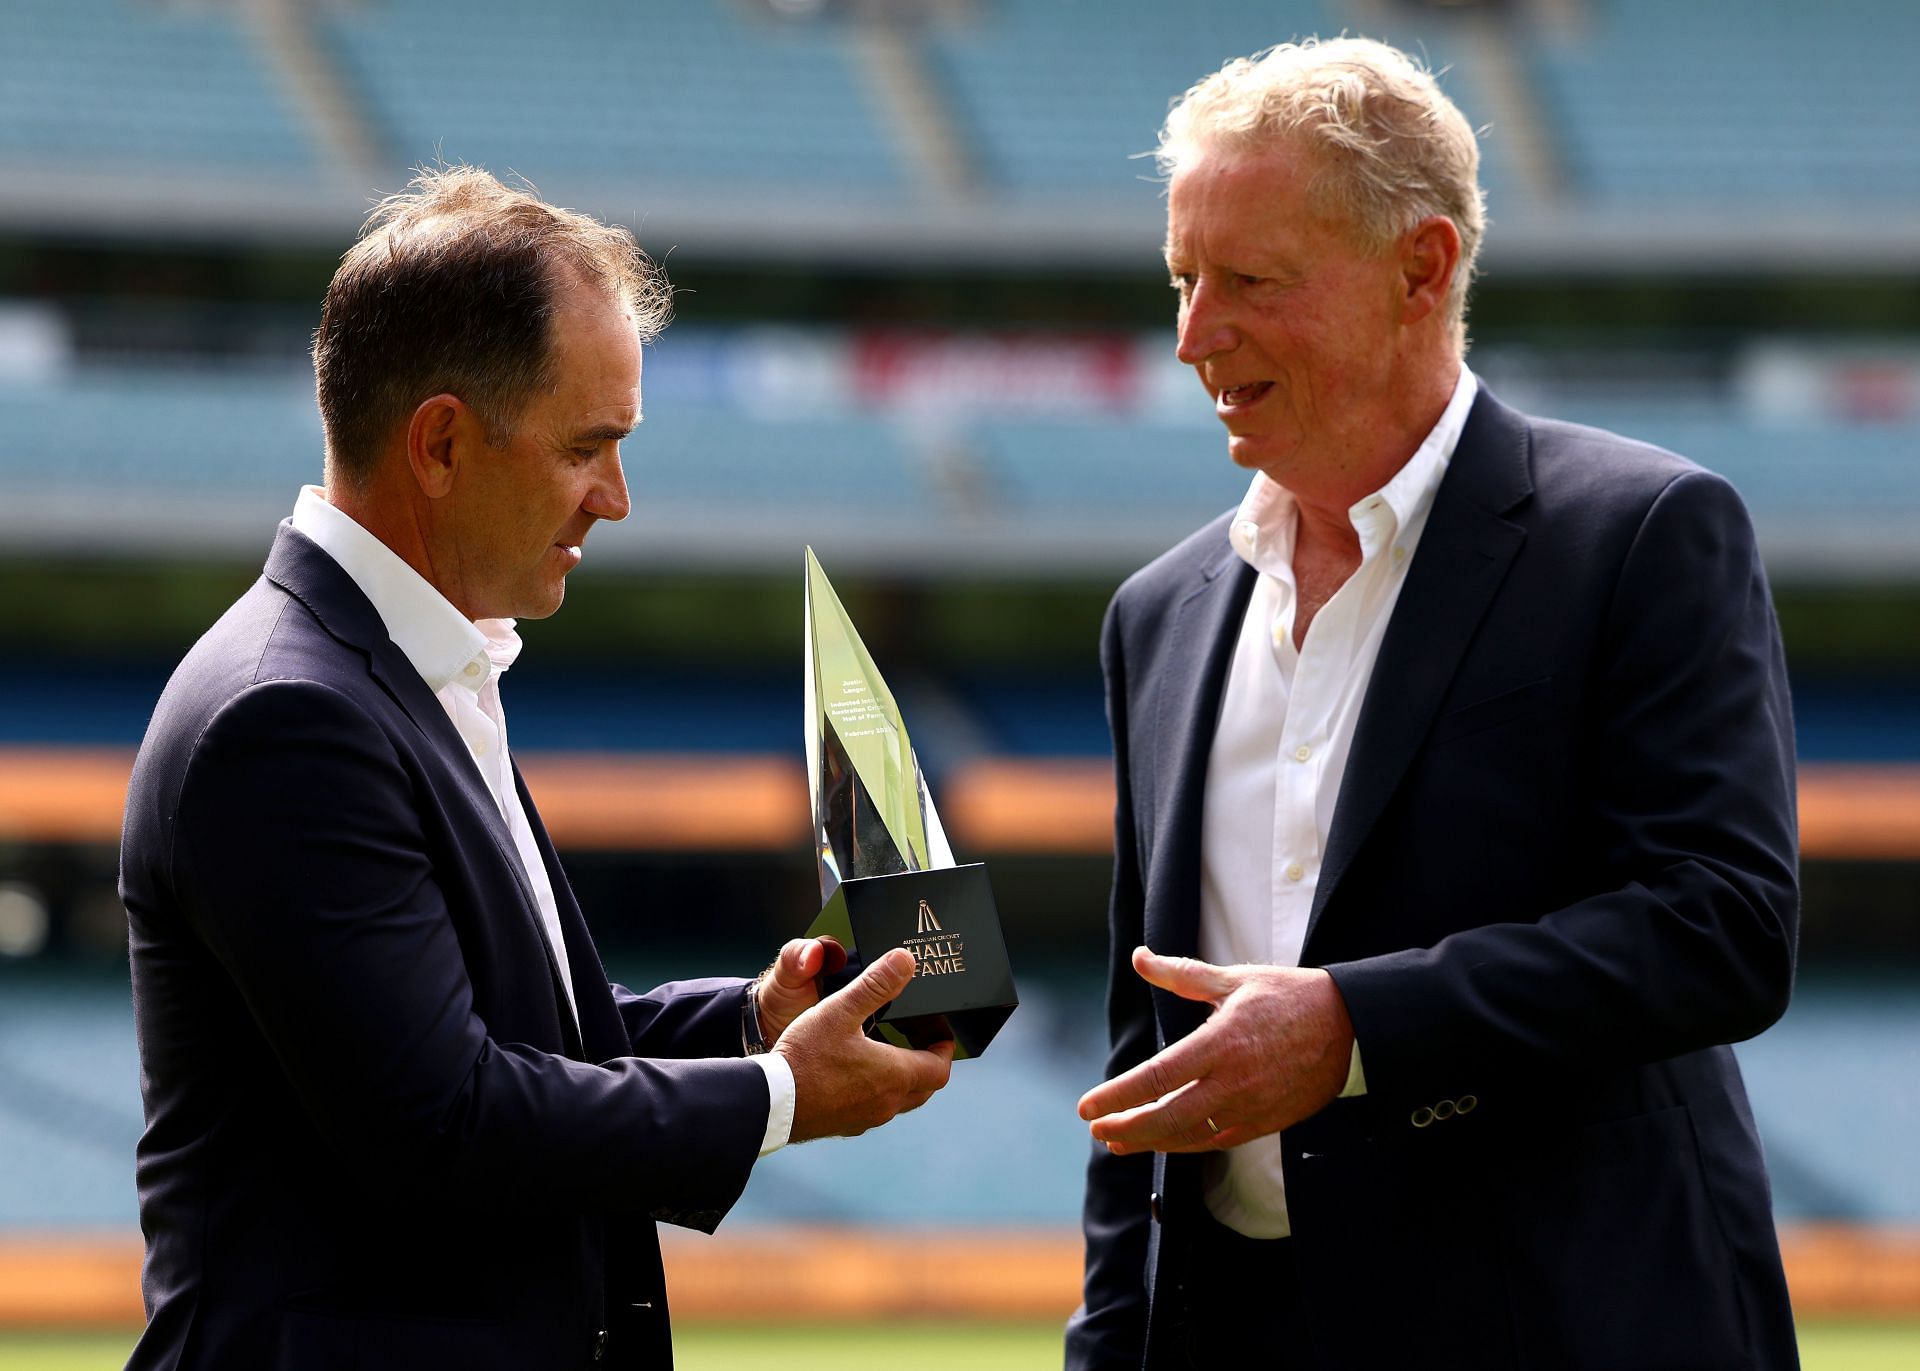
(1492,712)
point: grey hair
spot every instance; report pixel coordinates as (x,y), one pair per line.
(1392,148)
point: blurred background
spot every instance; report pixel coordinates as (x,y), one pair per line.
(923,327)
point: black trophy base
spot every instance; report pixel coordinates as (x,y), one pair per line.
(963,988)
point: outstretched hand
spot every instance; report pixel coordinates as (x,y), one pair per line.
(1275,1050)
(845,1082)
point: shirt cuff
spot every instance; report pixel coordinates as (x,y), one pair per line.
(1356,1076)
(779,1101)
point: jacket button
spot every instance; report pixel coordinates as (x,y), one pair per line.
(600,1345)
(1153,1206)
(1469,1103)
(1443,1110)
(1421,1117)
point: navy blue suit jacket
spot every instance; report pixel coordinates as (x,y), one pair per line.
(1561,877)
(375,1137)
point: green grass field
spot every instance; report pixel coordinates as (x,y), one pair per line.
(1824,1346)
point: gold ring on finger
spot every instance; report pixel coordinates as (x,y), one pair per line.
(1211,1125)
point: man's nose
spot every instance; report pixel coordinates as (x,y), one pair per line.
(1205,326)
(608,499)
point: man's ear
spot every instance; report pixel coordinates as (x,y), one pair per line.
(1429,256)
(437,435)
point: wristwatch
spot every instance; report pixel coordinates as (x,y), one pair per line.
(750,1036)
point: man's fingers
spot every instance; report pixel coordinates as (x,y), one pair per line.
(935,1077)
(1187,977)
(1185,1140)
(1193,1118)
(1179,1117)
(799,962)
(881,982)
(942,1053)
(930,1067)
(1185,1061)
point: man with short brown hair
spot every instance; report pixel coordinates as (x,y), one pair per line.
(396,1115)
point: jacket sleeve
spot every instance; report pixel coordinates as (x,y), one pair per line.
(1109,1328)
(298,856)
(1690,738)
(697,1018)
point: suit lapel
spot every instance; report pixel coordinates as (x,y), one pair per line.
(301,568)
(1463,557)
(1193,675)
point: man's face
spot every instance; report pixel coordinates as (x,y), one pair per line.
(530,504)
(1291,327)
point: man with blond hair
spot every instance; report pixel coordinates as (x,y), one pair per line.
(1455,833)
(396,1114)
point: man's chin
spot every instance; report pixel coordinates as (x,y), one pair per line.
(542,604)
(1264,453)
(1249,452)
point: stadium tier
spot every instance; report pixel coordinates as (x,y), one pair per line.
(1762,102)
(964,130)
(706,94)
(116,87)
(69,1115)
(1055,103)
(940,452)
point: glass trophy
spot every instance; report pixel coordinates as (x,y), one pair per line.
(887,874)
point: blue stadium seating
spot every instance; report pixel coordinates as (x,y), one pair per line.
(1058,97)
(1783,469)
(243,436)
(239,444)
(109,430)
(1104,467)
(130,89)
(1836,1109)
(1837,1100)
(701,464)
(1766,102)
(685,94)
(69,1102)
(1644,101)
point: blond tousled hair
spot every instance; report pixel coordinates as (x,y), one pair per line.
(1392,147)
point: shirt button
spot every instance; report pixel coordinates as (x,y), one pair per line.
(1295,871)
(1302,753)
(470,670)
(1399,554)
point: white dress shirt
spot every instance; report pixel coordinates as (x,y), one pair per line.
(1287,721)
(462,661)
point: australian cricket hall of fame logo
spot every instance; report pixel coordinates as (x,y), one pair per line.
(938,952)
